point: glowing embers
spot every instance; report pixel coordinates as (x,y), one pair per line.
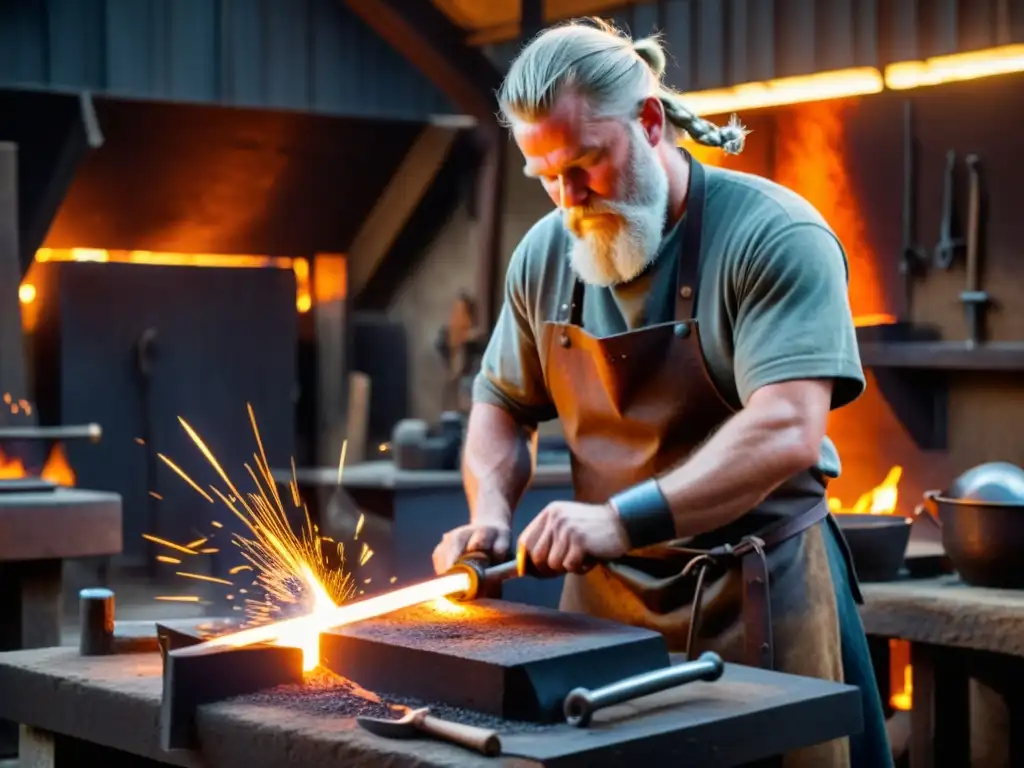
(56,468)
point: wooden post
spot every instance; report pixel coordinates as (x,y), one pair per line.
(36,748)
(939,720)
(396,204)
(13,378)
(490,198)
(531,18)
(330,294)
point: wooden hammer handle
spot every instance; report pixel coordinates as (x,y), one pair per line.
(482,740)
(973,223)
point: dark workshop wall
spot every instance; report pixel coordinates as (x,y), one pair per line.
(224,338)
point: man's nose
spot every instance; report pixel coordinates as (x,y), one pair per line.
(570,193)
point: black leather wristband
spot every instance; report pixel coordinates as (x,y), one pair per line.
(645,514)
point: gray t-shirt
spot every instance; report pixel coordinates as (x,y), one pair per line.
(772,302)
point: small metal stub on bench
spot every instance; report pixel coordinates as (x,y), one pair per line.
(101,635)
(96,614)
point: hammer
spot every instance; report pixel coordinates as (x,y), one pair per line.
(419,722)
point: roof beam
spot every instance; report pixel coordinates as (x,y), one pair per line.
(421,32)
(409,183)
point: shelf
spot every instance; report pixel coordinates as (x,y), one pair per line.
(912,367)
(943,355)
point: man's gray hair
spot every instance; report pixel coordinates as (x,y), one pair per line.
(614,73)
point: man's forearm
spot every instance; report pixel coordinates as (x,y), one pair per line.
(752,454)
(497,464)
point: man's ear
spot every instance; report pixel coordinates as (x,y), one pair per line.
(652,119)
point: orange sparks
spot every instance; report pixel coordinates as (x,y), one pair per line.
(365,555)
(293,485)
(178,598)
(359,526)
(182,474)
(201,577)
(168,559)
(156,495)
(168,544)
(341,461)
(291,568)
(215,524)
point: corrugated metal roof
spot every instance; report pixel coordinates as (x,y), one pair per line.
(717,43)
(282,54)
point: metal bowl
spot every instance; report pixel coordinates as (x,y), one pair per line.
(997,482)
(878,543)
(983,539)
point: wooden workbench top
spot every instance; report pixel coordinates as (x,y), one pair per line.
(114,701)
(945,611)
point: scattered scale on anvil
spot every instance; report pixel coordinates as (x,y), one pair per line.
(496,677)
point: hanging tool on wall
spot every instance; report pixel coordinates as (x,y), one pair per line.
(974,298)
(948,246)
(912,257)
(145,360)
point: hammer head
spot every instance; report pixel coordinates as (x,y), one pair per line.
(402,728)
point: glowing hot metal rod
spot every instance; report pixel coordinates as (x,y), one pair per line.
(468,579)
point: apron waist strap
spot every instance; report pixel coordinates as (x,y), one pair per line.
(758,645)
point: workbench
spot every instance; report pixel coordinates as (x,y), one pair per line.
(957,633)
(38,532)
(79,710)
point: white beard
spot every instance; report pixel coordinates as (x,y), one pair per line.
(604,258)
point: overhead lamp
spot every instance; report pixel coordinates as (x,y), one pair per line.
(837,84)
(955,67)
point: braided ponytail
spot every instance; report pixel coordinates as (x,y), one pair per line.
(615,72)
(730,138)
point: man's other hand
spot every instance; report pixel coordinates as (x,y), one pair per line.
(493,539)
(568,536)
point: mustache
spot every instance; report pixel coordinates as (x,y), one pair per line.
(594,208)
(577,214)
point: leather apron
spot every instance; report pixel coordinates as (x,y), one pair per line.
(637,404)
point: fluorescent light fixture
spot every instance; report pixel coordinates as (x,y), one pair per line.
(837,84)
(955,67)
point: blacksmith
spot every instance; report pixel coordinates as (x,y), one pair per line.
(691,329)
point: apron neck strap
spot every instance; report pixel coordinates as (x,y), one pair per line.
(688,260)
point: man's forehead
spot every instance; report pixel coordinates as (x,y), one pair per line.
(560,139)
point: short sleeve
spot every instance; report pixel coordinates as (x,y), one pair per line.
(793,318)
(511,375)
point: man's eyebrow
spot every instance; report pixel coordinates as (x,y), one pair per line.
(591,153)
